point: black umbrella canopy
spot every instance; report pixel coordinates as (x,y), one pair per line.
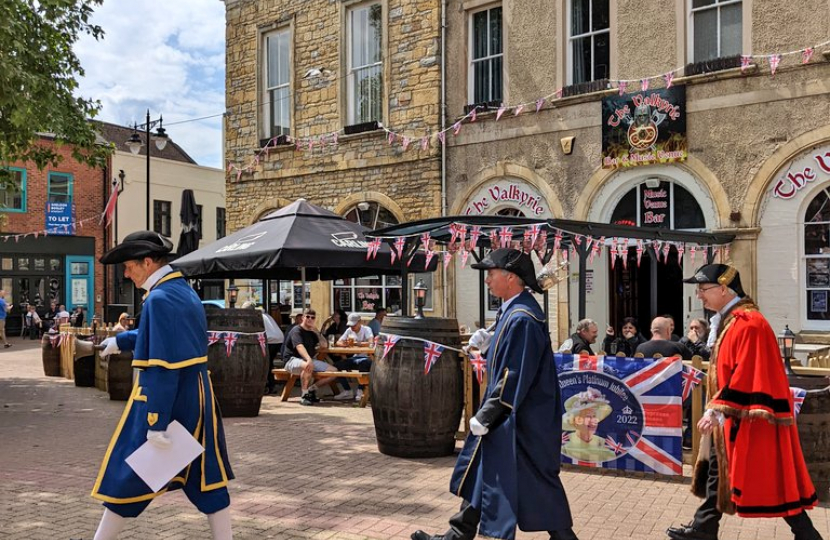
(189,214)
(300,235)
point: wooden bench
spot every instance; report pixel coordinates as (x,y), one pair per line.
(289,378)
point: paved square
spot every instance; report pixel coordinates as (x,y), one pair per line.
(302,473)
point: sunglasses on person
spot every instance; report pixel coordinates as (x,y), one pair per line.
(310,316)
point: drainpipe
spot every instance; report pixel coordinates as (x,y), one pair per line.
(444,145)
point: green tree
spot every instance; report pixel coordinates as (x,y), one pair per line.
(38,78)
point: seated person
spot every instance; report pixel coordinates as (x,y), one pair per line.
(33,322)
(336,326)
(298,351)
(122,325)
(582,339)
(356,334)
(77,317)
(630,338)
(377,322)
(696,338)
(61,317)
(49,316)
(661,343)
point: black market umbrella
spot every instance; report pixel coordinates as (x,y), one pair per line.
(298,242)
(189,214)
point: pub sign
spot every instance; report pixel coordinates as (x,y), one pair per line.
(644,128)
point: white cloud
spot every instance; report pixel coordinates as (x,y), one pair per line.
(162,55)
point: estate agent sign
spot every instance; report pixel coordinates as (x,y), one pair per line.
(644,128)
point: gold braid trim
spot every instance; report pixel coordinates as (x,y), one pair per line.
(752,414)
(727,276)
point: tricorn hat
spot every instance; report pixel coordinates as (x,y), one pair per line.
(138,245)
(722,274)
(514,261)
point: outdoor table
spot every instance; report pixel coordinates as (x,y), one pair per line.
(346,351)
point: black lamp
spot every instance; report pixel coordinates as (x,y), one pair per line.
(233,292)
(420,291)
(786,342)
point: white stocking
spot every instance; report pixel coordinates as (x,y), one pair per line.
(220,524)
(111,524)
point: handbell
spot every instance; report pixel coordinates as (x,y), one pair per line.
(547,276)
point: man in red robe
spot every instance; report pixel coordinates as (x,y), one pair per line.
(751,461)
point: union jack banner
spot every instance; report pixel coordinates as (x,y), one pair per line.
(424,143)
(389,344)
(479,366)
(390,138)
(425,241)
(691,378)
(405,143)
(230,341)
(442,136)
(557,240)
(263,345)
(681,247)
(518,110)
(534,234)
(453,233)
(693,254)
(55,340)
(462,234)
(798,399)
(429,255)
(214,337)
(432,352)
(635,411)
(613,253)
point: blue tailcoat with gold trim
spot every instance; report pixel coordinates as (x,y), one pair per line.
(170,348)
(511,474)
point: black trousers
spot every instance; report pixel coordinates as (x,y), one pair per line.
(464,525)
(707,518)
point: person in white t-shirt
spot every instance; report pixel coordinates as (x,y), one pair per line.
(356,334)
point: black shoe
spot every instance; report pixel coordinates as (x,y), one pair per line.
(687,532)
(311,395)
(421,535)
(306,401)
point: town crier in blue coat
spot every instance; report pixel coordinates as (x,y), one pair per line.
(508,471)
(170,351)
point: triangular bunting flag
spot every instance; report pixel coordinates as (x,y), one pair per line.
(432,352)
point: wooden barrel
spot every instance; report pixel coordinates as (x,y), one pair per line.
(417,415)
(120,375)
(51,357)
(814,430)
(84,368)
(238,379)
(101,369)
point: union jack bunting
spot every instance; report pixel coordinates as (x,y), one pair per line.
(746,61)
(534,234)
(429,255)
(456,128)
(644,85)
(453,233)
(405,143)
(479,365)
(399,244)
(500,112)
(506,236)
(424,143)
(442,136)
(462,234)
(638,404)
(774,60)
(214,337)
(230,341)
(389,344)
(263,345)
(613,253)
(798,399)
(432,352)
(464,256)
(540,103)
(691,378)
(806,55)
(557,240)
(473,114)
(681,247)
(669,78)
(475,234)
(693,254)
(447,258)
(518,110)
(425,241)
(55,340)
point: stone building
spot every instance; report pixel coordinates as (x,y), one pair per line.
(757,144)
(337,103)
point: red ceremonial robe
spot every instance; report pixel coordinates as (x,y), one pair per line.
(762,469)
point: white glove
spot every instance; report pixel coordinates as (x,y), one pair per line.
(110,347)
(477,428)
(159,439)
(480,340)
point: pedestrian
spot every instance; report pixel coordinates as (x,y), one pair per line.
(580,341)
(170,350)
(751,461)
(4,311)
(508,471)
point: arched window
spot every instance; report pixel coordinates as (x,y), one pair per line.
(659,203)
(817,256)
(371,214)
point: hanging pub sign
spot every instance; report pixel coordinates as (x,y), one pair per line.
(655,205)
(644,128)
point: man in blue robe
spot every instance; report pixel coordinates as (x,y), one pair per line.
(170,350)
(508,471)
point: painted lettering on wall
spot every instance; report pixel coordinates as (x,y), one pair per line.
(529,202)
(655,205)
(793,181)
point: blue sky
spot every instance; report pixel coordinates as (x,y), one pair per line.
(165,55)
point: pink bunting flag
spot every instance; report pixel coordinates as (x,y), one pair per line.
(473,114)
(692,254)
(335,139)
(578,239)
(370,247)
(534,235)
(613,254)
(447,259)
(669,78)
(389,344)
(479,365)
(666,250)
(432,352)
(623,252)
(806,55)
(429,255)
(774,60)
(506,236)
(453,233)
(425,241)
(623,85)
(558,94)
(456,128)
(565,256)
(500,112)
(424,143)
(539,104)
(681,247)
(557,240)
(405,143)
(230,341)
(541,244)
(644,85)
(715,253)
(399,245)
(746,62)
(464,256)
(726,249)
(639,252)
(462,234)
(238,175)
(494,239)
(475,234)
(518,110)
(390,137)
(263,346)
(442,136)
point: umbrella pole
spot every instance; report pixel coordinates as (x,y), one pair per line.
(302,278)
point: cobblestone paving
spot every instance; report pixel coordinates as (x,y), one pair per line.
(302,473)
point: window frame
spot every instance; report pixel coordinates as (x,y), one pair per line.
(471,90)
(804,267)
(221,225)
(21,190)
(717,5)
(70,186)
(267,123)
(162,215)
(569,74)
(349,80)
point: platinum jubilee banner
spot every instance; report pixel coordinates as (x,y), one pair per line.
(622,413)
(644,128)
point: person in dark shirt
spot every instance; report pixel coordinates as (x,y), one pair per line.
(696,338)
(581,340)
(674,337)
(661,343)
(627,342)
(338,325)
(298,351)
(78,317)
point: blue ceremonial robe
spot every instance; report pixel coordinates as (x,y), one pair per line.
(511,474)
(170,349)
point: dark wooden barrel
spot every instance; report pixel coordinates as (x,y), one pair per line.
(417,415)
(120,375)
(84,368)
(814,431)
(238,380)
(101,368)
(51,357)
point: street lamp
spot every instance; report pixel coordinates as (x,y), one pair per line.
(420,291)
(233,292)
(786,341)
(135,145)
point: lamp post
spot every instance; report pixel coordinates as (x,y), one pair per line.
(233,292)
(420,291)
(786,341)
(135,145)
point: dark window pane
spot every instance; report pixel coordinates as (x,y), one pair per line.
(579,17)
(496,84)
(602,56)
(701,3)
(687,212)
(706,35)
(481,72)
(599,15)
(581,60)
(626,211)
(495,31)
(730,31)
(480,34)
(816,239)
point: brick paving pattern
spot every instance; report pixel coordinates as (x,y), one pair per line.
(302,473)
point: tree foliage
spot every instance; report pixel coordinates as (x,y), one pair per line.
(38,78)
